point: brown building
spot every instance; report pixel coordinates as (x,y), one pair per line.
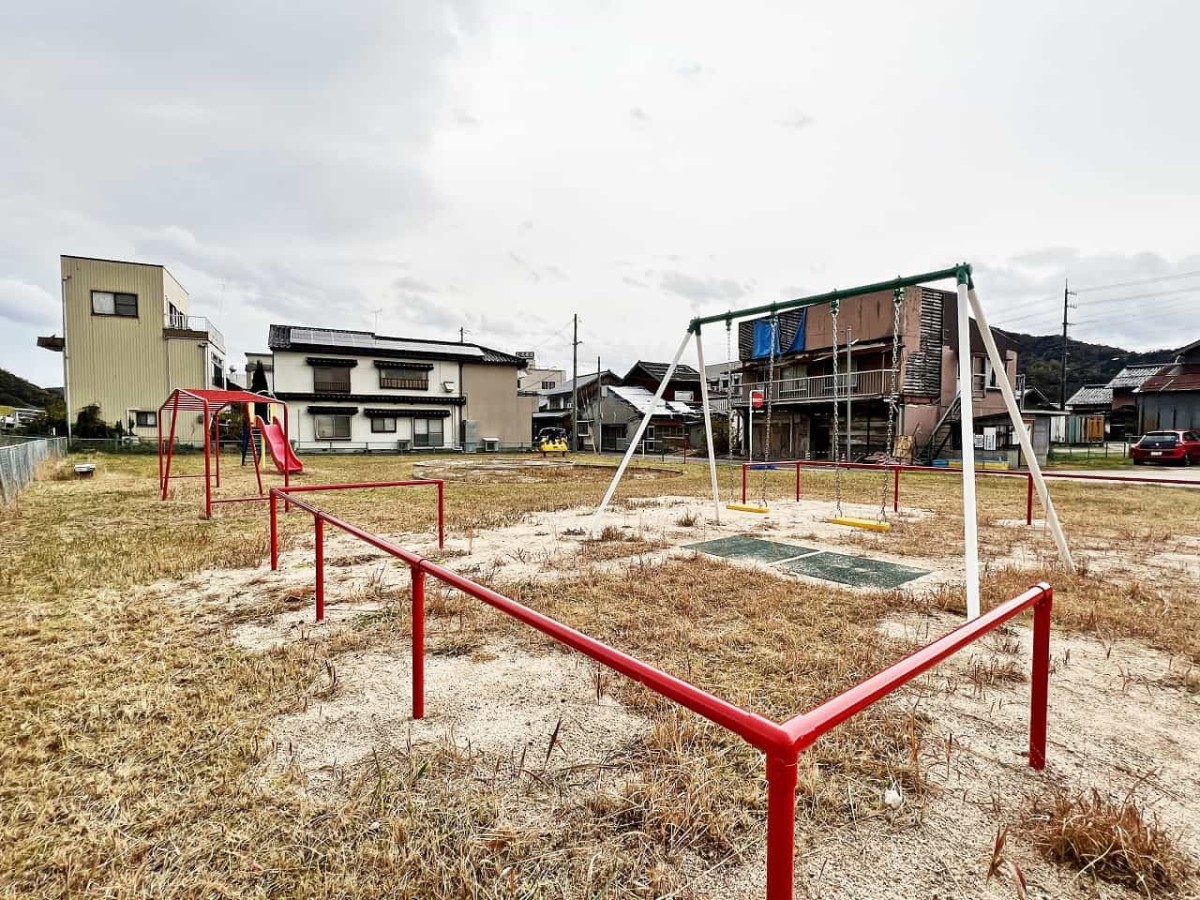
(802,391)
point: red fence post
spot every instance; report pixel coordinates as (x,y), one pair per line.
(781,827)
(743,482)
(896,491)
(1029,499)
(319,524)
(797,481)
(418,642)
(1039,692)
(441,489)
(274,532)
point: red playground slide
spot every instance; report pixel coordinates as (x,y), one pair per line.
(280,450)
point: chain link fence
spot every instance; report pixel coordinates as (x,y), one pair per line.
(20,458)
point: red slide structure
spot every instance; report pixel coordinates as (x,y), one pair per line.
(277,444)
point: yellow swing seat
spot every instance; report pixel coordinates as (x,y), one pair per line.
(869,524)
(747,507)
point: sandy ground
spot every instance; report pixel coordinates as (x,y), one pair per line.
(500,701)
(1116,709)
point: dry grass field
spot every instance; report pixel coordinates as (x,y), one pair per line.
(173,725)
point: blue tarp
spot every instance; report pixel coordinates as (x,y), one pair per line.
(797,345)
(762,339)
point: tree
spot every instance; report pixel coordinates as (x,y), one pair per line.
(53,419)
(90,425)
(258,385)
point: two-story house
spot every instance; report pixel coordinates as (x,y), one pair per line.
(802,391)
(129,340)
(359,390)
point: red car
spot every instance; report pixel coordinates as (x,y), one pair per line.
(1180,447)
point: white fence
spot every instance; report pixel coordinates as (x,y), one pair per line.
(19,459)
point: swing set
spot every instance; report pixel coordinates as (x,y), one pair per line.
(967,304)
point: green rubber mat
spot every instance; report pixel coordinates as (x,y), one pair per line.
(742,546)
(857,571)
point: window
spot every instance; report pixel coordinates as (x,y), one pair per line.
(383,425)
(405,379)
(585,428)
(107,303)
(332,428)
(145,419)
(685,396)
(331,379)
(549,385)
(218,372)
(428,433)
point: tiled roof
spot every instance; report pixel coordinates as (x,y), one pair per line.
(657,370)
(1132,376)
(1179,377)
(1091,395)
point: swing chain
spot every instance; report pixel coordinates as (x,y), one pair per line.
(729,401)
(893,400)
(770,388)
(837,440)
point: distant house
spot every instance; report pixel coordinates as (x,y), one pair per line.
(1170,398)
(1089,409)
(554,406)
(360,390)
(1123,419)
(622,409)
(683,387)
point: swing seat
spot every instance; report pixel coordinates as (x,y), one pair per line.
(869,524)
(747,507)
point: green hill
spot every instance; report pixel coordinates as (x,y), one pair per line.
(16,391)
(1039,359)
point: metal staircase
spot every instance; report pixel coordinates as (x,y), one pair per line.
(942,431)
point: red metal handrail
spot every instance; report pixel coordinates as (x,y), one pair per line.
(782,743)
(896,469)
(319,518)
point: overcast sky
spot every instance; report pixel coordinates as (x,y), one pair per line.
(500,166)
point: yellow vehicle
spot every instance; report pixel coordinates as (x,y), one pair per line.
(551,440)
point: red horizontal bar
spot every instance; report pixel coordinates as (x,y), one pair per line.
(761,732)
(296,488)
(950,470)
(254,498)
(807,727)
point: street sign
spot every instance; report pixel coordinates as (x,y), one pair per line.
(756,399)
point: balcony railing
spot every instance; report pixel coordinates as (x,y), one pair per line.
(820,388)
(181,322)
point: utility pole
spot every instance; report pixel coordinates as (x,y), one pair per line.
(596,417)
(575,383)
(1062,369)
(461,334)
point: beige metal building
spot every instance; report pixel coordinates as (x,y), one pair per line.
(129,340)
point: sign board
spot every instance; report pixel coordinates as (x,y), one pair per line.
(756,399)
(989,439)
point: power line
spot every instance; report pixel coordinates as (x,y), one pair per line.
(1118,284)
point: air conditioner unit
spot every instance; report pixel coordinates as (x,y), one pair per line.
(448,387)
(491,445)
(404,445)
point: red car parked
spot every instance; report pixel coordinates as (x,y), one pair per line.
(1180,447)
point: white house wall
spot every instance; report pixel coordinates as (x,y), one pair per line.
(293,375)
